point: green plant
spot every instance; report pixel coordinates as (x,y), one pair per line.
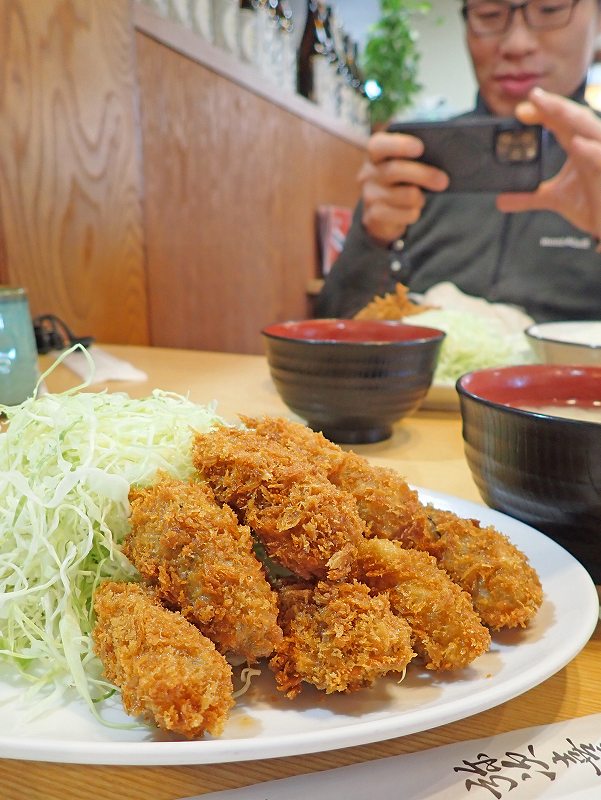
(391,57)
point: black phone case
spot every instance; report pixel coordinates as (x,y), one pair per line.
(466,150)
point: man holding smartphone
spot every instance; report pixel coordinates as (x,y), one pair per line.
(407,228)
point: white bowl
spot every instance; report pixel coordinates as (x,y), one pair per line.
(577,342)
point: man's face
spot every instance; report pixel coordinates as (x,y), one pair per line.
(509,64)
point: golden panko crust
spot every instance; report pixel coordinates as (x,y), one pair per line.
(201,562)
(503,585)
(304,522)
(446,631)
(338,637)
(166,669)
(504,588)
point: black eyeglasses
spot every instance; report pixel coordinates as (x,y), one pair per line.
(492,17)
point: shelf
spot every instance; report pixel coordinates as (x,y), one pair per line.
(314,286)
(190,44)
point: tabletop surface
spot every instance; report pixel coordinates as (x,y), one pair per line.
(427,449)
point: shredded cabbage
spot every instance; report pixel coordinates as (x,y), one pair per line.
(473,342)
(66,465)
(246,678)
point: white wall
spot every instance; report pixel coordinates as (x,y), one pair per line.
(357,15)
(445,69)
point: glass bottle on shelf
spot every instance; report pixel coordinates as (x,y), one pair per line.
(337,63)
(180,12)
(360,100)
(202,18)
(268,56)
(308,47)
(315,54)
(225,25)
(274,26)
(248,31)
(283,12)
(161,7)
(286,72)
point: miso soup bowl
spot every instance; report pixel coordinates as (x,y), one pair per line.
(531,461)
(352,379)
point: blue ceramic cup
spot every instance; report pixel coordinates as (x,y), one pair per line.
(18,350)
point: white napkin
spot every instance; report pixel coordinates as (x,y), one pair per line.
(104,366)
(550,761)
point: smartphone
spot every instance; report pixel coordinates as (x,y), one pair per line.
(482,154)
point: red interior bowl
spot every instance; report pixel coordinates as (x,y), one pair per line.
(357,331)
(538,465)
(535,385)
(351,379)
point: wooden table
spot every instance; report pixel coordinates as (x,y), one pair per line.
(428,450)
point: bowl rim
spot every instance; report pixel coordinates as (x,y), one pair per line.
(531,335)
(433,334)
(522,412)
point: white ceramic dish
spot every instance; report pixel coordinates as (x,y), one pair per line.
(265,725)
(566,342)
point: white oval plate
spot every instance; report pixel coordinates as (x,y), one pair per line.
(264,724)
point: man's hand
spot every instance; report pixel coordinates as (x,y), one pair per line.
(575,192)
(393,183)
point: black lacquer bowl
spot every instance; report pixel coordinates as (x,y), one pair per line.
(530,461)
(352,379)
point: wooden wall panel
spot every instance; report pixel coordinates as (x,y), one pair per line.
(231,187)
(70,179)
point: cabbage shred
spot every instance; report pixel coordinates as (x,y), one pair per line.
(473,342)
(66,466)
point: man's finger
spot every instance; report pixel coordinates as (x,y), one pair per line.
(383,146)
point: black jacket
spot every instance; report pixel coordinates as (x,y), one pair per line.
(535,260)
